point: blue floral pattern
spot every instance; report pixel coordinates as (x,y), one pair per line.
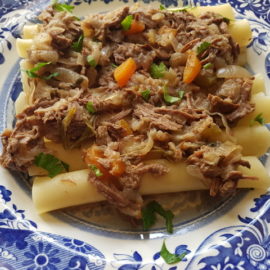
(241,247)
(22,246)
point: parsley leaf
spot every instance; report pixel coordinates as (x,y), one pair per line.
(149,217)
(146,94)
(90,107)
(208,65)
(77,45)
(52,75)
(161,7)
(181,94)
(126,23)
(62,7)
(51,164)
(181,9)
(202,47)
(96,170)
(170,258)
(157,71)
(32,72)
(259,118)
(172,99)
(91,61)
(226,20)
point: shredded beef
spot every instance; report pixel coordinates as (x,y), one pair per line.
(84,104)
(148,114)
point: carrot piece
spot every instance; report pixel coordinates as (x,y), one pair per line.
(135,28)
(192,68)
(125,125)
(124,72)
(117,167)
(91,158)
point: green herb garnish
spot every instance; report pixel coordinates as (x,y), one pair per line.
(90,107)
(114,65)
(62,7)
(172,99)
(91,61)
(202,47)
(32,72)
(77,45)
(182,9)
(181,94)
(149,215)
(259,118)
(51,164)
(52,75)
(126,23)
(96,170)
(157,71)
(207,66)
(226,20)
(146,94)
(170,258)
(161,7)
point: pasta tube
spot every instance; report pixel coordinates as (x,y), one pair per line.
(246,136)
(73,188)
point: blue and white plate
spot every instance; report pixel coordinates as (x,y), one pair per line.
(215,234)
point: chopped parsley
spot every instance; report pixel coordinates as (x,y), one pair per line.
(32,72)
(90,107)
(208,65)
(52,75)
(172,99)
(91,61)
(51,164)
(146,94)
(259,118)
(170,258)
(62,7)
(77,45)
(96,170)
(161,7)
(226,20)
(182,9)
(157,71)
(126,23)
(181,94)
(149,216)
(202,47)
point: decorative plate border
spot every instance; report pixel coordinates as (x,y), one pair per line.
(245,246)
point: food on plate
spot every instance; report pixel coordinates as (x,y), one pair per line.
(137,101)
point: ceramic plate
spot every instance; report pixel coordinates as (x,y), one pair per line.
(214,234)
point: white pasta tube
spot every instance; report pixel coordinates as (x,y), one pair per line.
(241,32)
(258,84)
(262,105)
(255,140)
(30,30)
(22,46)
(225,10)
(73,188)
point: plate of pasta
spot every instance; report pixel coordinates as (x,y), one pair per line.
(134,135)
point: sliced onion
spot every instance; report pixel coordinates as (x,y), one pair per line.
(70,76)
(233,71)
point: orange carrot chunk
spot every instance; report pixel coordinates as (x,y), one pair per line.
(125,126)
(117,167)
(192,68)
(135,28)
(123,73)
